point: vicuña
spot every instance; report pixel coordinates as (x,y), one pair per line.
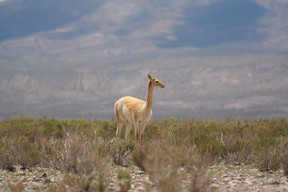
(133,111)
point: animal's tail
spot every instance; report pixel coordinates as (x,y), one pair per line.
(117,110)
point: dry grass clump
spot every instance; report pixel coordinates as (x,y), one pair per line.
(284,155)
(52,142)
(255,142)
(171,159)
(73,182)
(19,187)
(172,174)
(84,157)
(76,147)
(121,151)
(162,165)
(76,152)
(175,153)
(125,180)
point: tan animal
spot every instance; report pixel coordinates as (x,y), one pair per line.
(132,111)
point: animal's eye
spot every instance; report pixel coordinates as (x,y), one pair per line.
(157,82)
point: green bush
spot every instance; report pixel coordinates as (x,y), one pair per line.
(209,144)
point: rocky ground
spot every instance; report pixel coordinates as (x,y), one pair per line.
(32,179)
(222,178)
(245,178)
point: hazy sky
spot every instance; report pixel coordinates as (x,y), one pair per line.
(155,24)
(58,57)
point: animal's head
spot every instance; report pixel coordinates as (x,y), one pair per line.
(156,82)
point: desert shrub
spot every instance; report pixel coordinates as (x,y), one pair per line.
(28,152)
(174,168)
(268,159)
(74,182)
(238,151)
(284,155)
(208,144)
(18,187)
(76,153)
(233,141)
(50,142)
(121,150)
(267,154)
(139,155)
(8,154)
(22,127)
(152,130)
(106,129)
(53,127)
(19,151)
(175,153)
(198,177)
(124,179)
(162,166)
(168,158)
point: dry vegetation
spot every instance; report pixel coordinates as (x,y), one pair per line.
(175,154)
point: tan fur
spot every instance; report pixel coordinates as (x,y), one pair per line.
(133,104)
(133,111)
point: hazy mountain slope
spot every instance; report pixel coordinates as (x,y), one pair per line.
(197,87)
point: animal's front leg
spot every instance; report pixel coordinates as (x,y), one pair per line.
(142,129)
(137,131)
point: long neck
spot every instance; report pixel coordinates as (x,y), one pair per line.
(149,98)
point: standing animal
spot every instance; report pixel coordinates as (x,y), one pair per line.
(133,111)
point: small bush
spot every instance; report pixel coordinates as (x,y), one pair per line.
(8,157)
(53,128)
(106,129)
(139,156)
(18,187)
(19,151)
(268,160)
(162,165)
(207,144)
(121,151)
(124,179)
(77,153)
(73,182)
(284,155)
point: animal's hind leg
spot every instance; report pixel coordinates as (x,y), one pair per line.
(128,129)
(119,129)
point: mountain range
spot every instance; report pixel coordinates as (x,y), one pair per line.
(75,59)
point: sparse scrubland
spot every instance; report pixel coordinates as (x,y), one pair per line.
(175,155)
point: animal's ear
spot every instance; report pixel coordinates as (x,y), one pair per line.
(149,76)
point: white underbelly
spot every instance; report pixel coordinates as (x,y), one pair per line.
(139,116)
